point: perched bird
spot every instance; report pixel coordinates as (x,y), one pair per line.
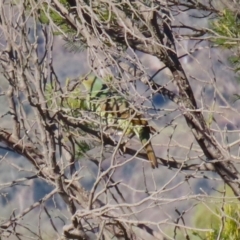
(112,107)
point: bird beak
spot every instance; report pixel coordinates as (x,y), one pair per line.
(81,79)
(85,77)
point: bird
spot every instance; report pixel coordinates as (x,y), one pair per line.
(115,109)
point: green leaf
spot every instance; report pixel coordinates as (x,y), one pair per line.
(227,25)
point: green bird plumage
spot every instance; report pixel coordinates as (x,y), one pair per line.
(110,105)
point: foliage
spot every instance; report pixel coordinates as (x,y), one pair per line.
(227,26)
(223,223)
(73,40)
(222,217)
(104,17)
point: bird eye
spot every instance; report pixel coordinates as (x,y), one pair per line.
(86,78)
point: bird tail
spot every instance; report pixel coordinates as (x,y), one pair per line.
(151,155)
(143,132)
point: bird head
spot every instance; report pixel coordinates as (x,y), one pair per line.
(89,80)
